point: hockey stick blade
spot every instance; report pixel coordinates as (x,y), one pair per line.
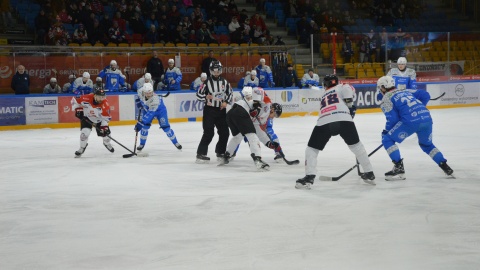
(293,162)
(438,96)
(329,178)
(136,154)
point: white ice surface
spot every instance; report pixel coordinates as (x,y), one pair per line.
(164,211)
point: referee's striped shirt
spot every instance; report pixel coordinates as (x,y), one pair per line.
(220,89)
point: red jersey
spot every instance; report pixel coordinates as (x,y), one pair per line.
(96,112)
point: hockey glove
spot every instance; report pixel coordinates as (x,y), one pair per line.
(103,131)
(384,132)
(139,126)
(138,103)
(79,113)
(254,112)
(353,110)
(274,145)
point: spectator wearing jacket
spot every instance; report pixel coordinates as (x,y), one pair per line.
(21,81)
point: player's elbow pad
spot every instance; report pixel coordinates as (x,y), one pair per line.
(349,102)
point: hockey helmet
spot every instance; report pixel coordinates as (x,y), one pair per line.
(402,61)
(53,80)
(330,80)
(86,75)
(99,94)
(247,92)
(216,67)
(253,73)
(387,82)
(113,64)
(277,108)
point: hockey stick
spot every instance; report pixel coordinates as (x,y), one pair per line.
(166,95)
(358,168)
(136,138)
(329,178)
(438,96)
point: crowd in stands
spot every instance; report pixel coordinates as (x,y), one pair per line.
(147,21)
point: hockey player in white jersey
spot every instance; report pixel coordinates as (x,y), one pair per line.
(240,124)
(83,85)
(147,78)
(152,107)
(335,118)
(195,85)
(251,79)
(310,79)
(67,87)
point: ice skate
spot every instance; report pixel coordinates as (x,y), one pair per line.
(305,182)
(140,147)
(225,159)
(109,147)
(369,178)
(80,151)
(179,146)
(201,159)
(278,158)
(232,157)
(220,157)
(446,169)
(261,166)
(397,173)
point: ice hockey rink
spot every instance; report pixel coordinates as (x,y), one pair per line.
(102,211)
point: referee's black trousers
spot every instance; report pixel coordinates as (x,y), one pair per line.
(214,117)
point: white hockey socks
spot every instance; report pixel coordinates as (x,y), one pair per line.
(359,150)
(254,143)
(84,133)
(311,155)
(234,142)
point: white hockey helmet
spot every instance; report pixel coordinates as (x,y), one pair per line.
(171,61)
(113,62)
(253,73)
(203,75)
(53,80)
(148,90)
(402,61)
(262,60)
(148,76)
(247,92)
(387,82)
(98,79)
(71,76)
(86,75)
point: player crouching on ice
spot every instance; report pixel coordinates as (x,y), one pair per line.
(240,123)
(151,106)
(335,118)
(406,114)
(92,110)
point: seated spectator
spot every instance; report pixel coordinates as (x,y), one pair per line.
(151,20)
(310,79)
(224,17)
(80,35)
(106,22)
(116,35)
(174,16)
(52,87)
(185,34)
(258,21)
(64,17)
(58,35)
(162,15)
(42,26)
(136,24)
(177,36)
(196,14)
(257,35)
(152,35)
(235,31)
(185,22)
(97,7)
(347,49)
(243,16)
(163,34)
(203,35)
(364,49)
(122,23)
(98,34)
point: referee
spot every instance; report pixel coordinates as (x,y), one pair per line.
(216,92)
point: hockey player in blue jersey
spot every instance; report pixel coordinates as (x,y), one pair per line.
(147,78)
(151,106)
(405,78)
(113,78)
(172,77)
(406,115)
(264,74)
(310,79)
(195,85)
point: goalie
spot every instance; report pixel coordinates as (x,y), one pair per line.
(93,110)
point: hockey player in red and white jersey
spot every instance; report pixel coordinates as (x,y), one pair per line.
(335,118)
(93,110)
(240,123)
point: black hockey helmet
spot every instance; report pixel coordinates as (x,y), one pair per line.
(216,66)
(277,108)
(330,80)
(98,91)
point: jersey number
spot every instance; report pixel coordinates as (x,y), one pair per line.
(410,100)
(329,100)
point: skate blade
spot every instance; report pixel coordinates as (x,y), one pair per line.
(264,169)
(395,178)
(301,186)
(370,182)
(279,160)
(78,156)
(451,176)
(201,161)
